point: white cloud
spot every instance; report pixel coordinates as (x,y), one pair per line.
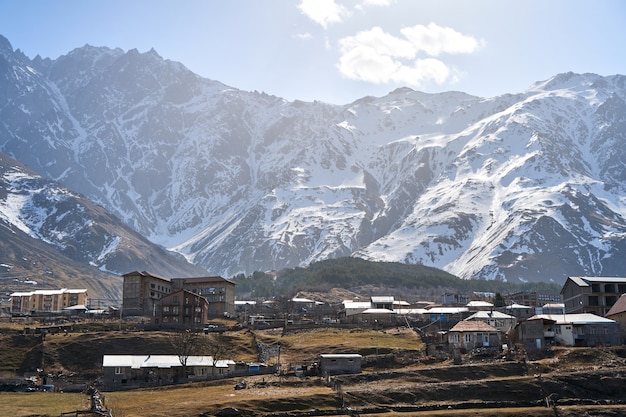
(323,12)
(378,57)
(377,2)
(435,40)
(304,36)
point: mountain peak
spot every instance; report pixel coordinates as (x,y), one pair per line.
(6,49)
(520,187)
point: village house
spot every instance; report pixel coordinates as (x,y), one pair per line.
(503,322)
(583,329)
(378,310)
(340,363)
(48,301)
(520,312)
(468,335)
(552,308)
(135,371)
(618,313)
(592,294)
(479,305)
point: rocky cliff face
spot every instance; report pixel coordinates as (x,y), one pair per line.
(524,186)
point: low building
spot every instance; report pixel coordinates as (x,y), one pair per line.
(346,363)
(503,322)
(552,308)
(468,335)
(135,371)
(479,305)
(519,311)
(618,313)
(584,329)
(47,301)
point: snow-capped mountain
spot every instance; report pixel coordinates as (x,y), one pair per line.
(50,235)
(525,186)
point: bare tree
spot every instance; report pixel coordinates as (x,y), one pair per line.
(185,344)
(215,345)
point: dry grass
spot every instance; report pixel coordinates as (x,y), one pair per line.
(306,346)
(40,403)
(195,400)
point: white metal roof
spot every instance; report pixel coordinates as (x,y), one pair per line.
(580,318)
(489,315)
(447,310)
(479,304)
(153,361)
(382,299)
(340,355)
(377,311)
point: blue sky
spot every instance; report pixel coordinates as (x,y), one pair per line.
(338,51)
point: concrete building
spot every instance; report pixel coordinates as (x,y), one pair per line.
(135,371)
(346,363)
(468,335)
(583,329)
(218,291)
(47,301)
(182,308)
(142,292)
(503,322)
(594,295)
(618,313)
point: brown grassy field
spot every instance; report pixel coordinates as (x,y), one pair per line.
(597,375)
(40,403)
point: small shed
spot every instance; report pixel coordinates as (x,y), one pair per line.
(342,363)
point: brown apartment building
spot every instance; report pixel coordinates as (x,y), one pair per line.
(144,292)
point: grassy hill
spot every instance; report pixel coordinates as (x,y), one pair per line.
(369,278)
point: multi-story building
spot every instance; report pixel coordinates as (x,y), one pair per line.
(592,294)
(46,301)
(184,308)
(142,292)
(533,298)
(218,291)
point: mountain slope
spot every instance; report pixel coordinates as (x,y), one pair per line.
(56,238)
(521,187)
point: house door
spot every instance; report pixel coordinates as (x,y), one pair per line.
(485,339)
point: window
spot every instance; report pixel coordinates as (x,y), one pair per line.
(175,309)
(151,285)
(467,337)
(119,370)
(595,288)
(593,300)
(166,309)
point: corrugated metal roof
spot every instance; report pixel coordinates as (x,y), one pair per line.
(472,326)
